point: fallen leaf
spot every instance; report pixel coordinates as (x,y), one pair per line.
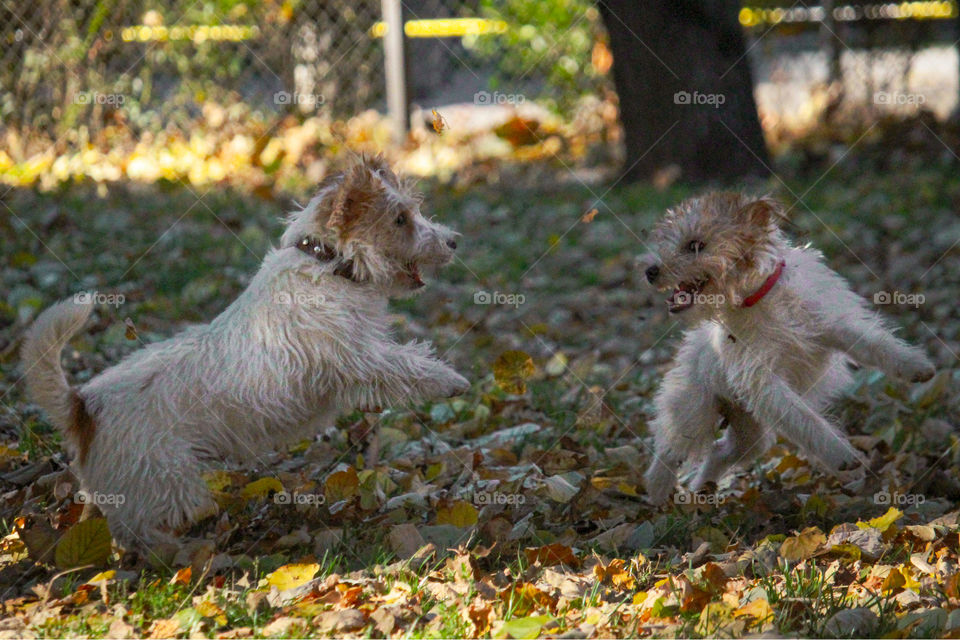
(522,628)
(459,514)
(261,488)
(291,576)
(341,485)
(803,545)
(87,542)
(551,554)
(512,370)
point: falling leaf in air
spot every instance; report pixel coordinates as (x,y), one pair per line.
(512,370)
(588,217)
(131,329)
(439,124)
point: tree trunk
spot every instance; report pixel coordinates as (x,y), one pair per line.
(686,95)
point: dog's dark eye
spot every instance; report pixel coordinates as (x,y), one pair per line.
(695,246)
(401,220)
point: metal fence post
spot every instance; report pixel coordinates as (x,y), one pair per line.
(396,69)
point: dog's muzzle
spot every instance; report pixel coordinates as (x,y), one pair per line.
(652,272)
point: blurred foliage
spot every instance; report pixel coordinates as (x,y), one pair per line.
(557,43)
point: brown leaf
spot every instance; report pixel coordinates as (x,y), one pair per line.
(512,370)
(341,485)
(803,545)
(168,628)
(480,614)
(552,554)
(615,574)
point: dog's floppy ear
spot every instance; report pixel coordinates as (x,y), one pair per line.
(761,212)
(359,188)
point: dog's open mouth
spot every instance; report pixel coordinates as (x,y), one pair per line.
(684,295)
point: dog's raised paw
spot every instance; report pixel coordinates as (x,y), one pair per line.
(924,374)
(459,385)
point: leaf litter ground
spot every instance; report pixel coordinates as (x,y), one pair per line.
(518,509)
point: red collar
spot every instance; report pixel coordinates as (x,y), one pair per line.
(764,289)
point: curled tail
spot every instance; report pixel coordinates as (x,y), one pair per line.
(46,383)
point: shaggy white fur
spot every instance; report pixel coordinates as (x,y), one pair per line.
(299,346)
(766,369)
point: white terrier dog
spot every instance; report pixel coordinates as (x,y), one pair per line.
(309,339)
(774,331)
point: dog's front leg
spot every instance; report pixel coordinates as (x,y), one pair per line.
(870,343)
(780,409)
(401,374)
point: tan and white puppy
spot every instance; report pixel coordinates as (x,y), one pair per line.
(310,338)
(773,332)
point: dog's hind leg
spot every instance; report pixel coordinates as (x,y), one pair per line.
(743,440)
(686,414)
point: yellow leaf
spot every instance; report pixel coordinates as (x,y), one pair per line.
(103,576)
(290,576)
(803,545)
(342,485)
(628,489)
(261,488)
(512,370)
(218,480)
(87,542)
(883,522)
(759,609)
(615,573)
(713,617)
(459,514)
(893,582)
(909,581)
(209,609)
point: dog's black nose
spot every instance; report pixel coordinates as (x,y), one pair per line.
(452,244)
(652,272)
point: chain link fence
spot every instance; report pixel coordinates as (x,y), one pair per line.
(151,65)
(73,69)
